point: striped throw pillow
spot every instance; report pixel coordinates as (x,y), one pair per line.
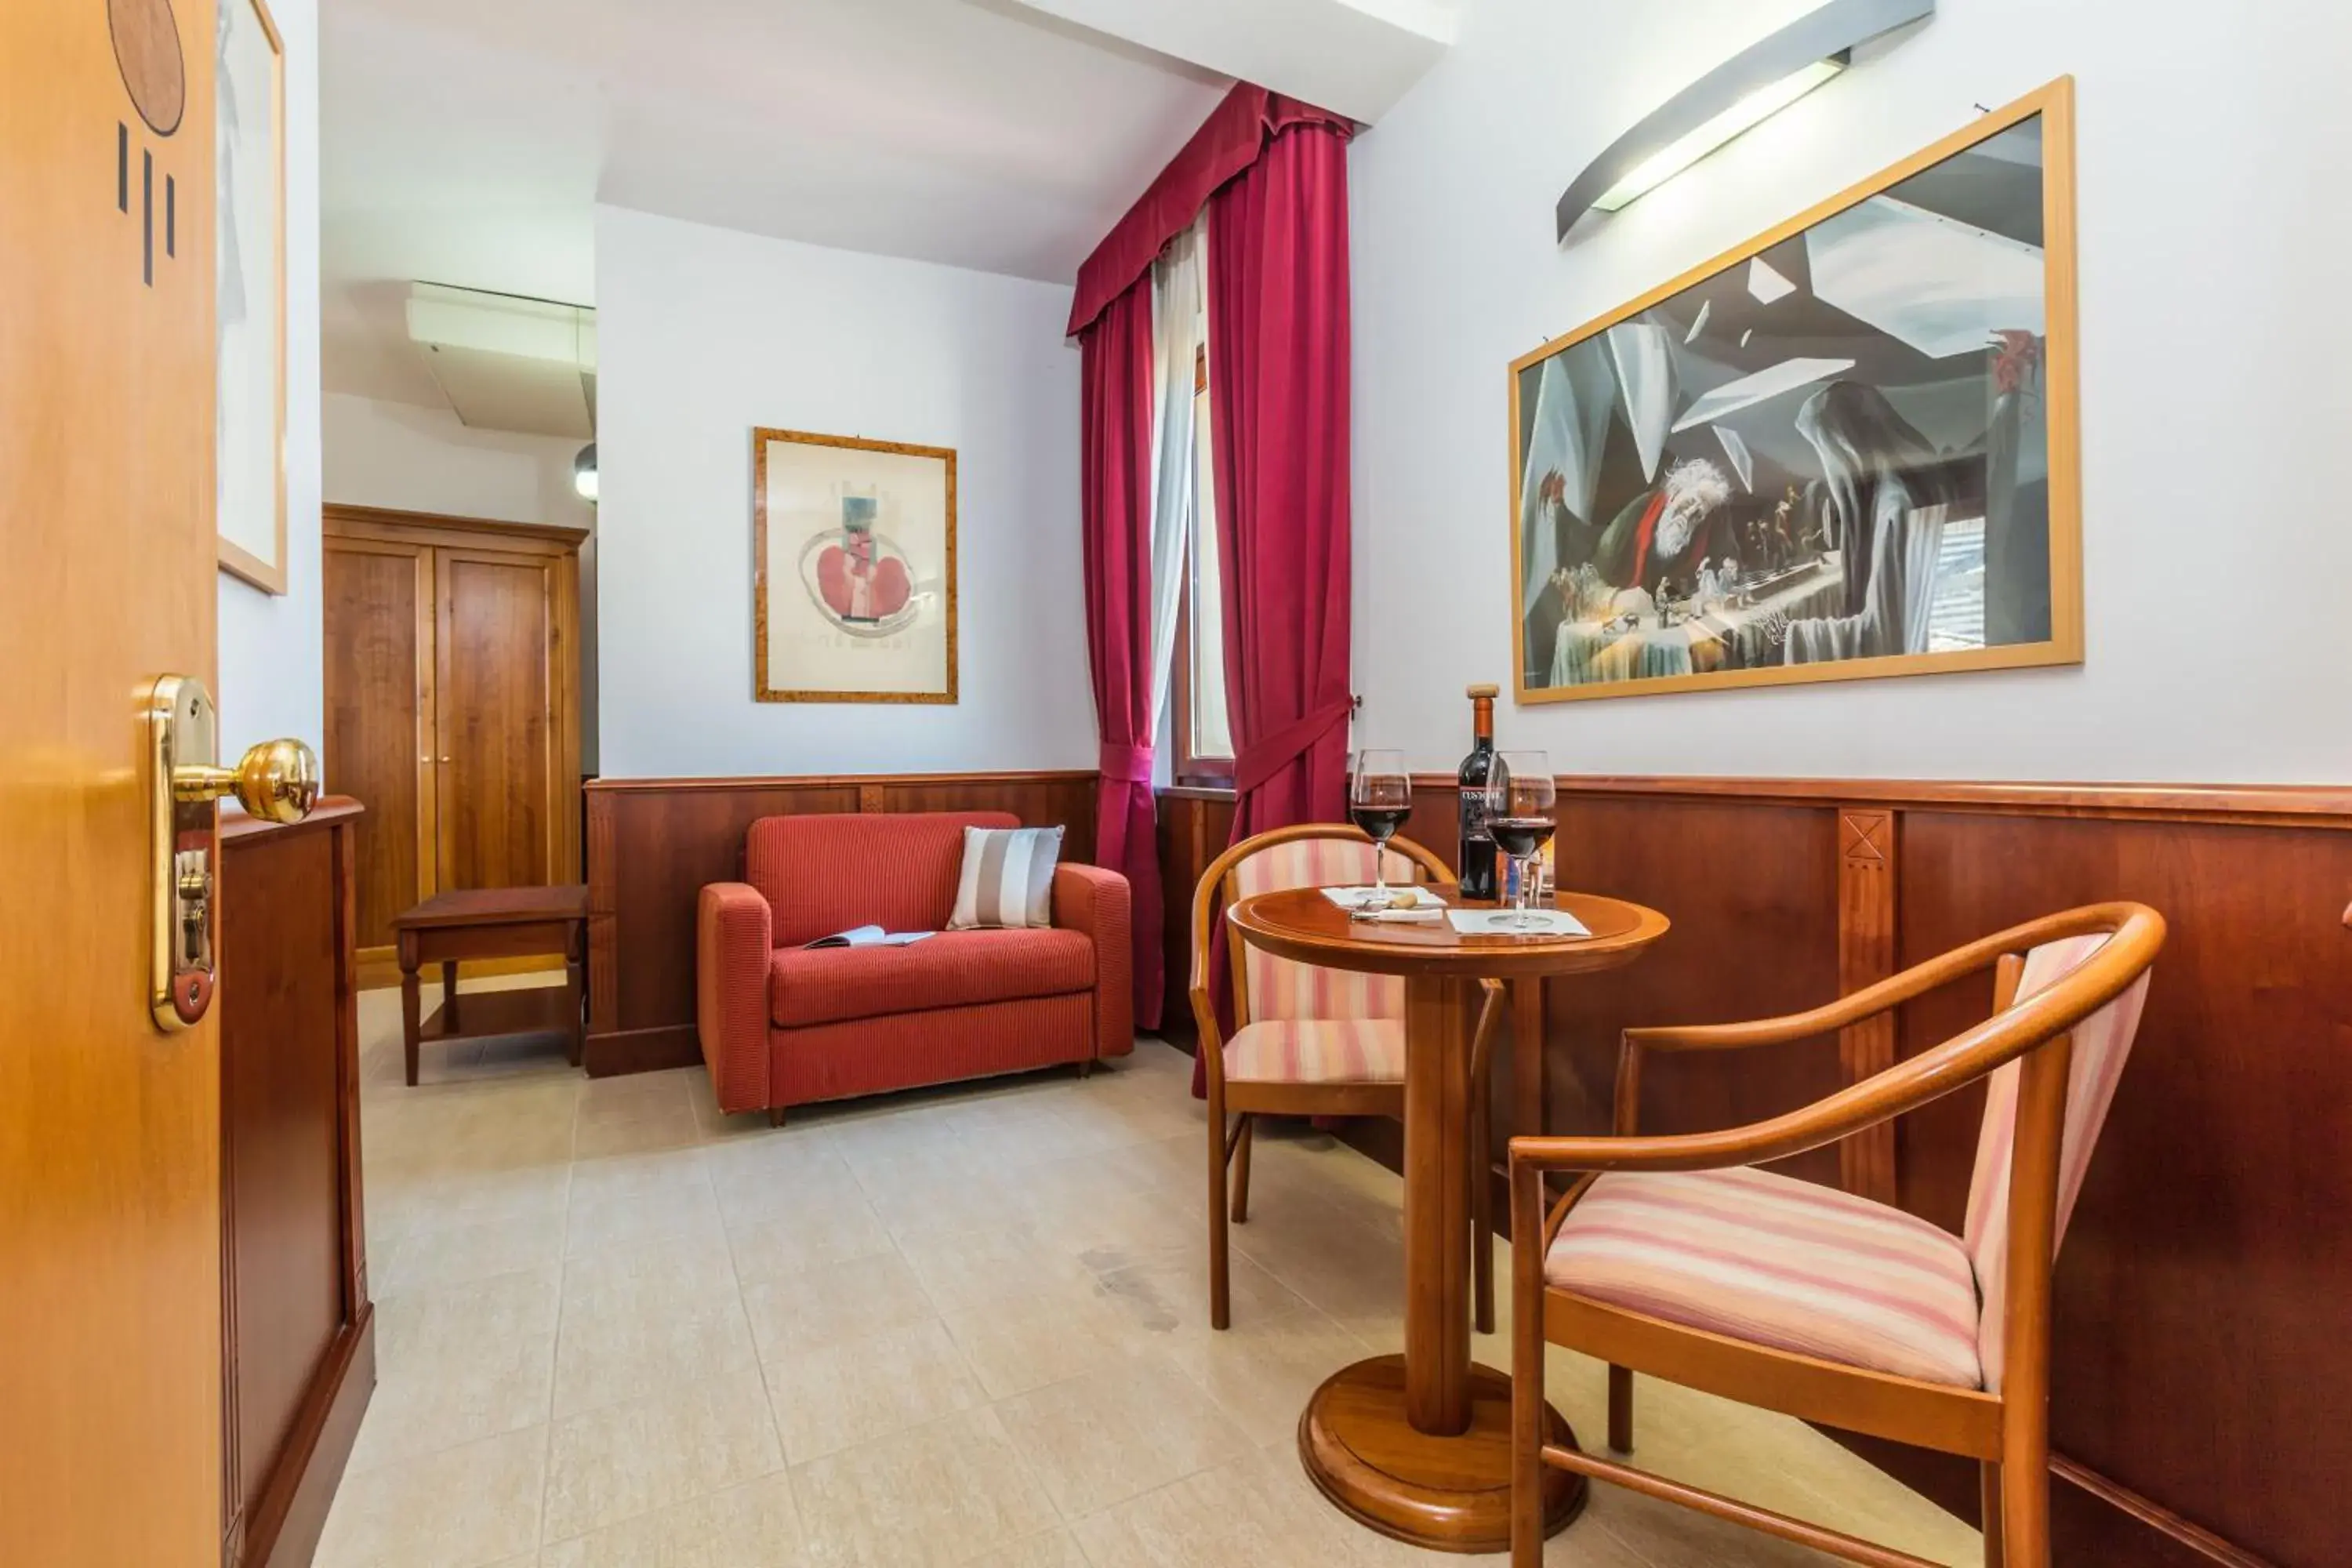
(1008,877)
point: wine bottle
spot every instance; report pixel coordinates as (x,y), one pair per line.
(1478,856)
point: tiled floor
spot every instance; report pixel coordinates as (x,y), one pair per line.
(962,1327)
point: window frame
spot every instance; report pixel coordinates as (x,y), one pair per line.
(1191,769)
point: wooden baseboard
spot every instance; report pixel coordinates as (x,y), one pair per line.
(379,967)
(620,1051)
(285,1531)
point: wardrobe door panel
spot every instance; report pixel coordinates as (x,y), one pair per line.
(498,717)
(379,694)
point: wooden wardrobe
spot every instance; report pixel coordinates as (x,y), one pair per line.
(453,705)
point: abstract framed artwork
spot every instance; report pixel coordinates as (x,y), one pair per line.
(249,141)
(1848,448)
(855,585)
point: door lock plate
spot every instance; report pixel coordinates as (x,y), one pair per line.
(184,845)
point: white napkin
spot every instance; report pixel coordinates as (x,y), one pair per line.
(1499,923)
(1354,899)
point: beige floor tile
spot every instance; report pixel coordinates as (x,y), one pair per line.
(862,1282)
(688,1214)
(935,1496)
(1255,1509)
(1121,1430)
(1054,1548)
(432,1259)
(1164,1289)
(501,1307)
(843,1395)
(1016,1345)
(607,1355)
(1262,1370)
(615,1464)
(779,1242)
(673,1275)
(461,1508)
(963,1269)
(755,1525)
(827,1303)
(455,1389)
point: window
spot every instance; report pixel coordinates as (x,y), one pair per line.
(1204,736)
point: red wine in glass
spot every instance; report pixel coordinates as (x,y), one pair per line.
(1379,822)
(1519,836)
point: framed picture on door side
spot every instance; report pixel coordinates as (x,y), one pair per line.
(855,586)
(249,224)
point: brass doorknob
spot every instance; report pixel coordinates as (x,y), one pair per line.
(276,781)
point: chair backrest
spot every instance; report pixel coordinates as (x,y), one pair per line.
(2102,1043)
(1278,988)
(822,873)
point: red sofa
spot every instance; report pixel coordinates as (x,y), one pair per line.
(782,1027)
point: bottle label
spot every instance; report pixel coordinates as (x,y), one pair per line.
(1473,817)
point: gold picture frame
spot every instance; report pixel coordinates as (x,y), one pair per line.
(1607,639)
(854,579)
(249,463)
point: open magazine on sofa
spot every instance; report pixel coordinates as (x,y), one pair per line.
(869,936)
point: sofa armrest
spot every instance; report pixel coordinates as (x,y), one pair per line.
(1090,900)
(732,948)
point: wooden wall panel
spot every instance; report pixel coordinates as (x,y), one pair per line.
(2200,1358)
(2200,1371)
(654,843)
(299,1331)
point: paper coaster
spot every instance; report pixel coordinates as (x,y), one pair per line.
(1502,922)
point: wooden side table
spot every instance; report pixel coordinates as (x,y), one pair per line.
(495,922)
(1417,1446)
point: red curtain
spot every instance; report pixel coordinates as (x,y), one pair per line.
(1278,405)
(1233,138)
(1279,411)
(1116,518)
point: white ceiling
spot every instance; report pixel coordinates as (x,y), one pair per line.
(468,141)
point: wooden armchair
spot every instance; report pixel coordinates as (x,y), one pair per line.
(1674,1256)
(1309,1041)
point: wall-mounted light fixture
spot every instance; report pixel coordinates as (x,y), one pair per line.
(584,473)
(1736,96)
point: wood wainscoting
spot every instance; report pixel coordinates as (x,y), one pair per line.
(654,843)
(2200,1373)
(299,1334)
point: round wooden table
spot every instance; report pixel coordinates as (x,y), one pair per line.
(1417,1446)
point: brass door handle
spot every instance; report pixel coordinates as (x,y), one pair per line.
(276,781)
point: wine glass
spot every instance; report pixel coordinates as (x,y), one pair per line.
(1380,797)
(1521,799)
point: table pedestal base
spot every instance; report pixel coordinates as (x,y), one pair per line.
(1449,1494)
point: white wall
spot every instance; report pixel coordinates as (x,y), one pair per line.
(2215,400)
(409,459)
(703,333)
(271,661)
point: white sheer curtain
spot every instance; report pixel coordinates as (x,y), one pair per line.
(1176,304)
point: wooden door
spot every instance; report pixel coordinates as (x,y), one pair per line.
(379,732)
(502,773)
(110,1150)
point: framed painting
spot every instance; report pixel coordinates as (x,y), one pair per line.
(250,144)
(855,585)
(1845,450)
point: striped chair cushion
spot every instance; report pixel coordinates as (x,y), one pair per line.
(1343,1050)
(1279,988)
(2103,1044)
(1007,879)
(1780,1262)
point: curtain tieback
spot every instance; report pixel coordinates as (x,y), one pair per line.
(1126,765)
(1261,760)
